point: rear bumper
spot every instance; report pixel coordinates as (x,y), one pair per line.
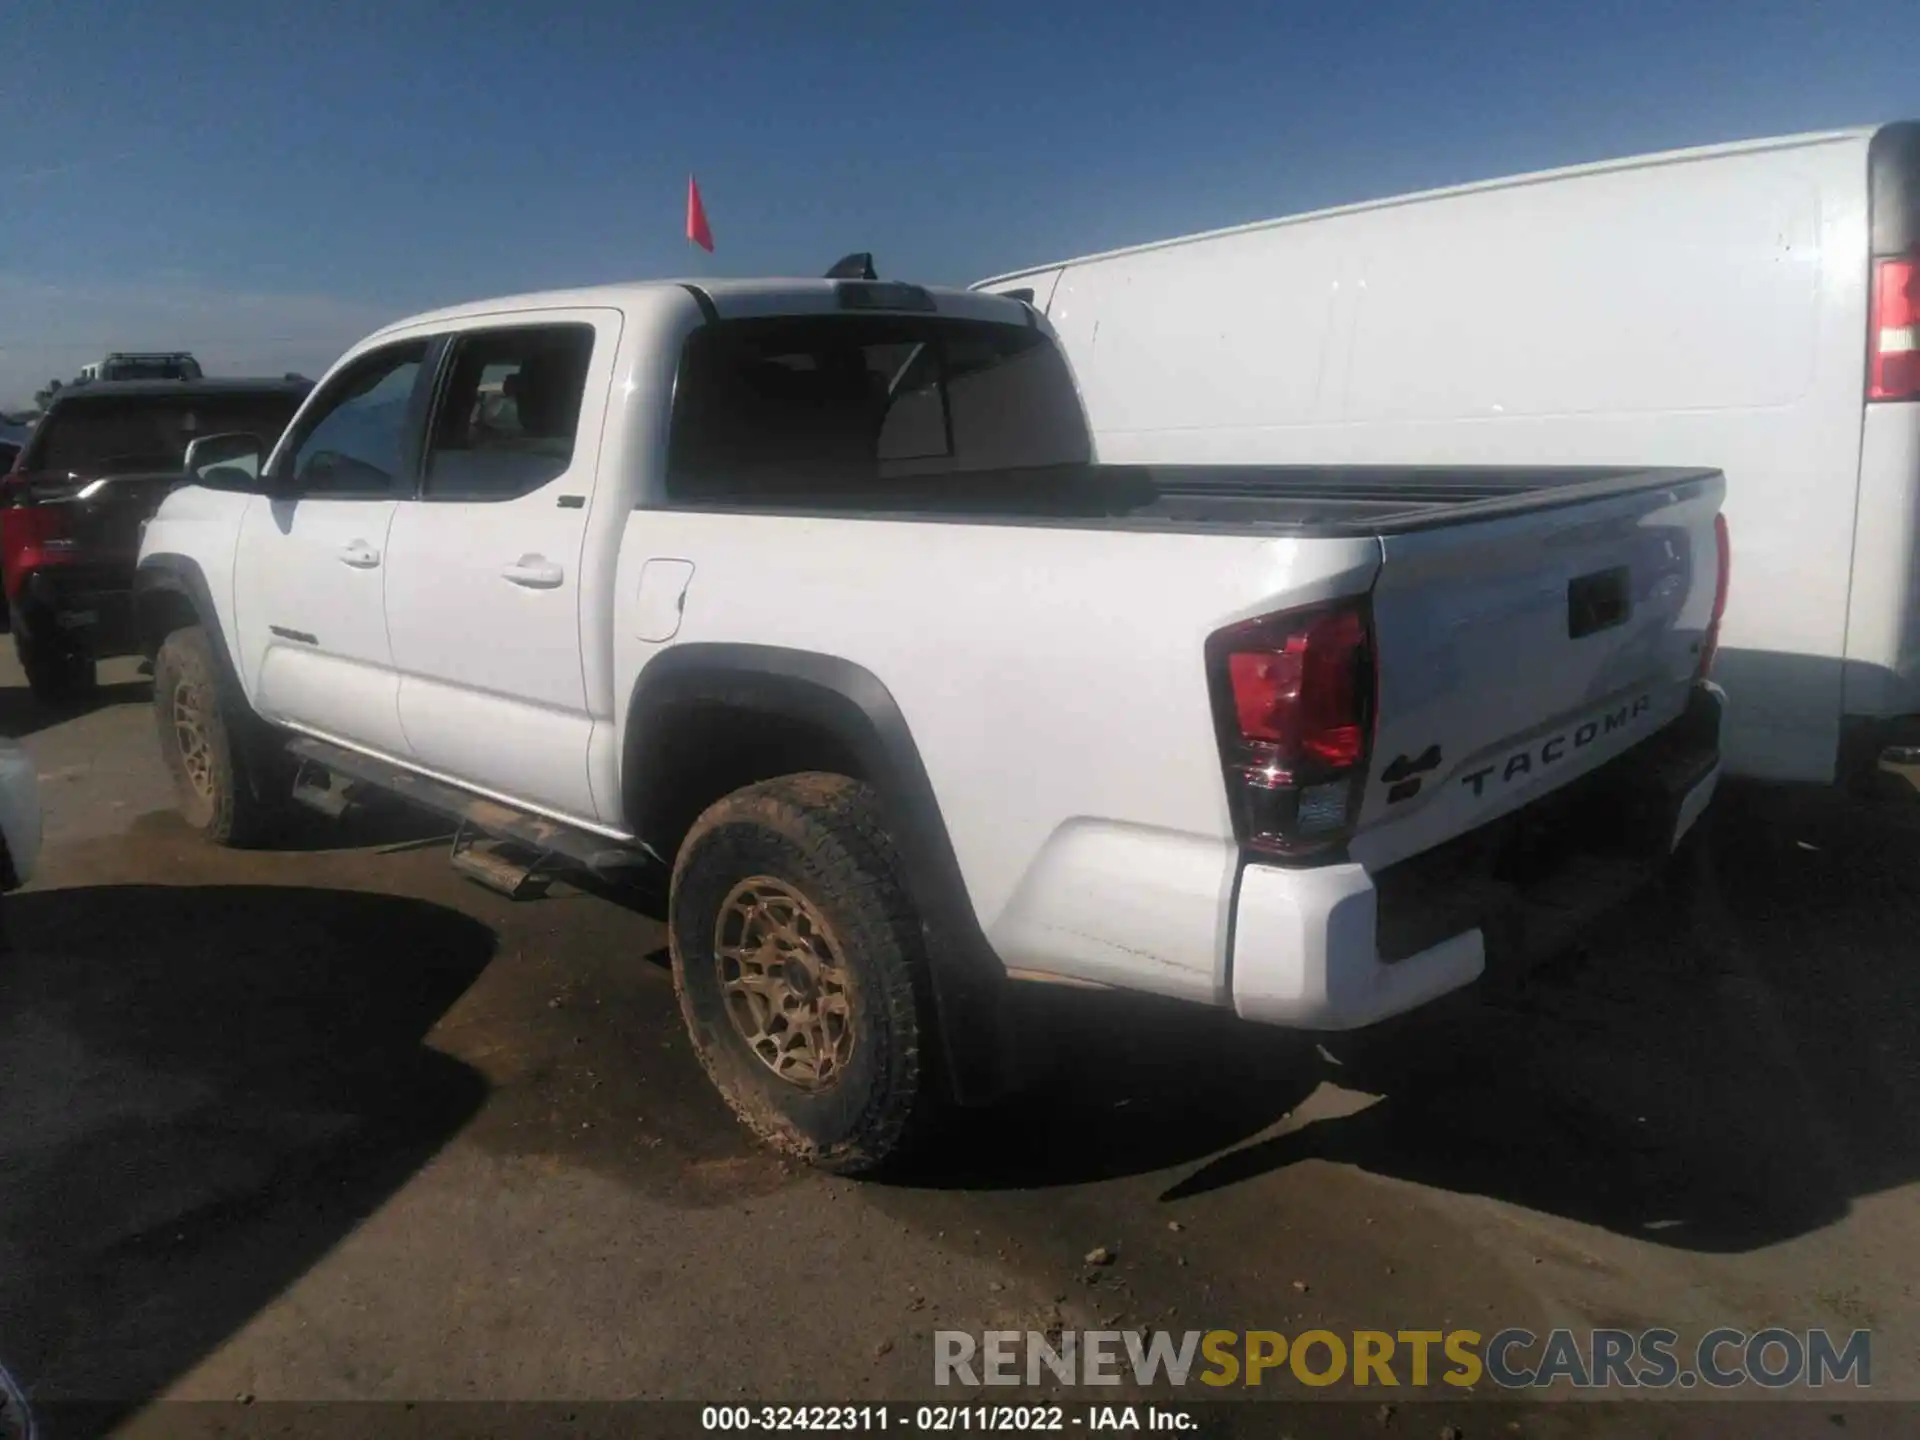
(1337,948)
(87,608)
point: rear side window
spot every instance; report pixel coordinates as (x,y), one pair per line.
(840,405)
(127,435)
(507,418)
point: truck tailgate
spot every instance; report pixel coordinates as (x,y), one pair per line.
(1519,651)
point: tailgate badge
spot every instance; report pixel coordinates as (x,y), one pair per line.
(1403,775)
(1521,764)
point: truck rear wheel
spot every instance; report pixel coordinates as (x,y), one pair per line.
(797,959)
(201,740)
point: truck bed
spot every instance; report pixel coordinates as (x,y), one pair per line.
(1302,500)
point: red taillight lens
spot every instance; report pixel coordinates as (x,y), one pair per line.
(1293,699)
(31,536)
(1723,545)
(1301,695)
(1893,341)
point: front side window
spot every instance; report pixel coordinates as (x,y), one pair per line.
(506,422)
(354,443)
(863,405)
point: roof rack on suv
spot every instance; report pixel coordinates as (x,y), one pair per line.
(142,365)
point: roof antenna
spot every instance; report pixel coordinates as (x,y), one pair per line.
(857,266)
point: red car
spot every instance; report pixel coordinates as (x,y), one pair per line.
(96,466)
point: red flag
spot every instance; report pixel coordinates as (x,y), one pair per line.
(697,230)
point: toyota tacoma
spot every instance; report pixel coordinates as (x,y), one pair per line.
(811,602)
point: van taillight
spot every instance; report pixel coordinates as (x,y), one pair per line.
(1723,545)
(1293,698)
(1893,345)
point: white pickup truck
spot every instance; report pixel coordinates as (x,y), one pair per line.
(813,595)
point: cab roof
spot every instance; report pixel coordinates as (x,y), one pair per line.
(730,299)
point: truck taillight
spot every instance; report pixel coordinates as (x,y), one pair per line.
(1893,341)
(1723,545)
(1293,699)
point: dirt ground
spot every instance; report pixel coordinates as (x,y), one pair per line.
(335,1123)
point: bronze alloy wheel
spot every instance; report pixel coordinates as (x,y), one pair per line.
(788,918)
(231,775)
(786,988)
(190,733)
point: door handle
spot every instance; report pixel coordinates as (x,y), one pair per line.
(535,572)
(359,554)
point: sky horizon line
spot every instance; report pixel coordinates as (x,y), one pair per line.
(304,186)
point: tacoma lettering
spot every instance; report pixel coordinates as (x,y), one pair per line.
(1554,748)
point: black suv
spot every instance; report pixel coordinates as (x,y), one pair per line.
(95,468)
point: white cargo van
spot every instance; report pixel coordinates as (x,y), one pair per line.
(1751,307)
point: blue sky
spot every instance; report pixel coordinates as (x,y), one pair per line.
(263,182)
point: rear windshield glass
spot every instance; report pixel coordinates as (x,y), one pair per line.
(831,404)
(127,434)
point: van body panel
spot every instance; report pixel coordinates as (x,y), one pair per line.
(1703,308)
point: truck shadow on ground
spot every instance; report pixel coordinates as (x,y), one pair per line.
(1729,1064)
(208,1087)
(1117,1085)
(1729,1061)
(22,715)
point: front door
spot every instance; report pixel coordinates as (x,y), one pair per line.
(310,578)
(484,602)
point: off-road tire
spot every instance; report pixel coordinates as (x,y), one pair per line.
(232,807)
(823,837)
(55,676)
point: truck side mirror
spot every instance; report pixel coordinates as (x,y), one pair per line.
(226,462)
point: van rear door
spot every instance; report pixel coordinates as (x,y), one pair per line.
(1882,675)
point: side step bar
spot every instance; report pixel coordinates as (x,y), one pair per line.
(504,848)
(318,788)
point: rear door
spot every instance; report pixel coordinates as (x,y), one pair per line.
(1883,610)
(310,574)
(1517,653)
(483,588)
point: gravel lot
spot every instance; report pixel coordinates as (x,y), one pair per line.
(333,1122)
